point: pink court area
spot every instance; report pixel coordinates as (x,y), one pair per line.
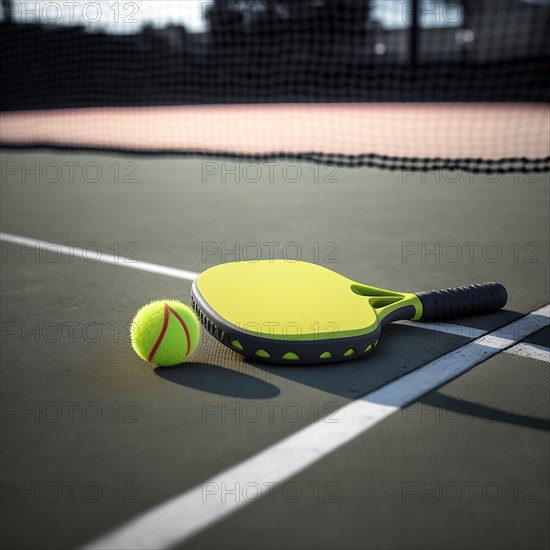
(458,131)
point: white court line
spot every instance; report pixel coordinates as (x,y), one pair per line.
(105,258)
(447,328)
(184,516)
(534,351)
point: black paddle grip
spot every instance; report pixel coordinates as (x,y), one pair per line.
(462,301)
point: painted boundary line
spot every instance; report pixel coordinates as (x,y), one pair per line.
(184,516)
(448,328)
(533,351)
(104,258)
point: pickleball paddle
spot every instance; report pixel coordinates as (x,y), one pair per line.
(302,313)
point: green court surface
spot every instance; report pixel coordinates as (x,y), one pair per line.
(95,440)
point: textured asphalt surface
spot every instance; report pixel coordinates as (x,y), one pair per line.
(92,436)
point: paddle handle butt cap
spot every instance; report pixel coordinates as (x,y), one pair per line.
(462,301)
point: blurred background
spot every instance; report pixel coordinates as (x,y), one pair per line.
(224,51)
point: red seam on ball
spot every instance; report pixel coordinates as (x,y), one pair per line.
(161,335)
(185,329)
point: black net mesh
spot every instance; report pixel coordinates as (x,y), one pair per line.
(389,83)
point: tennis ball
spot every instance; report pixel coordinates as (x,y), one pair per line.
(165,333)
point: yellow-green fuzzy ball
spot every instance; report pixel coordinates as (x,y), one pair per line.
(165,333)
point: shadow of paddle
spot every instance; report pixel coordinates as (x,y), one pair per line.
(401,350)
(218,380)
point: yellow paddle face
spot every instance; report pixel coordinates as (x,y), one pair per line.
(294,300)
